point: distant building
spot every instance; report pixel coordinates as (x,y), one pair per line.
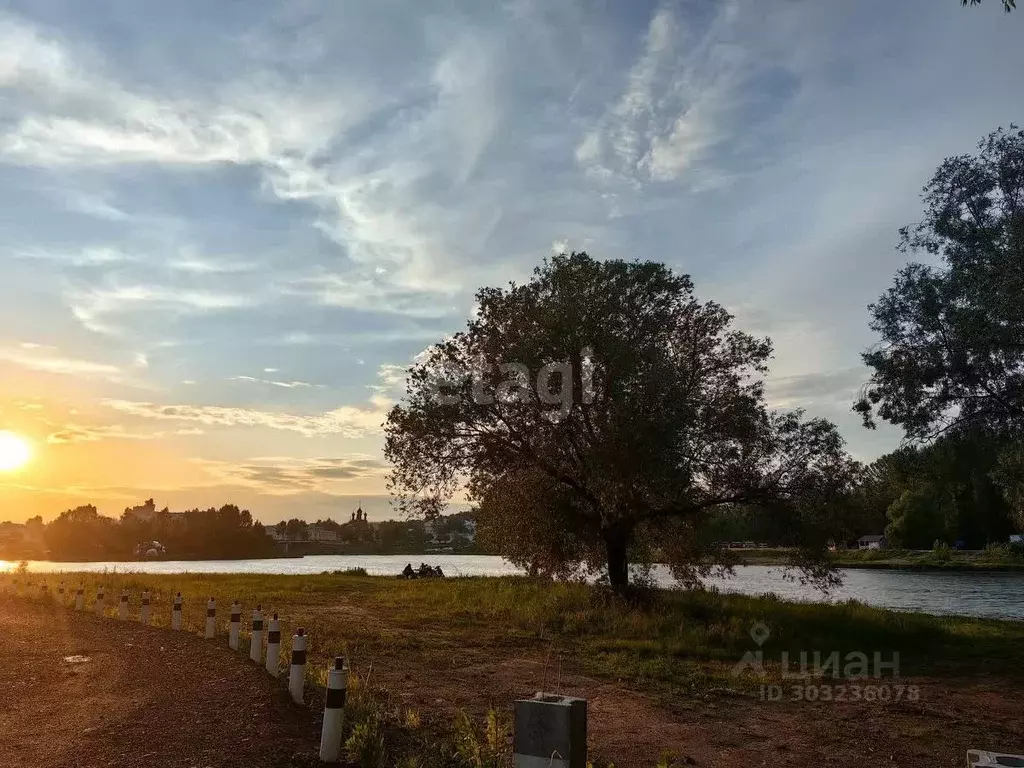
(321,533)
(872,541)
(443,530)
(144,513)
(313,532)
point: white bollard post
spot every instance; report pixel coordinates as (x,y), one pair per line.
(550,730)
(122,608)
(101,598)
(60,592)
(297,673)
(144,612)
(334,712)
(274,647)
(18,588)
(235,626)
(256,646)
(176,613)
(211,618)
(43,591)
(80,598)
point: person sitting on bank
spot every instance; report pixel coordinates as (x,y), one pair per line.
(409,573)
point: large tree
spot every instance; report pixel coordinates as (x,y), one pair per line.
(951,355)
(600,410)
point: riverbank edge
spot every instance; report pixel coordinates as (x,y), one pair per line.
(774,560)
(899,564)
(911,566)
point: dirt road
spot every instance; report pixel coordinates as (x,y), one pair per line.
(144,697)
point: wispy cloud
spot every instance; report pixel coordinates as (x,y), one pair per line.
(103,308)
(43,359)
(75,433)
(348,420)
(273,383)
(675,103)
(287,476)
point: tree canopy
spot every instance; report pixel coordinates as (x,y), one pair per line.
(600,412)
(951,354)
(946,491)
(1008,5)
(952,332)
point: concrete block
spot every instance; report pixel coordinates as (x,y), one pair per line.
(979,758)
(550,732)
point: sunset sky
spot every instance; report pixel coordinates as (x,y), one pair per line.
(228,227)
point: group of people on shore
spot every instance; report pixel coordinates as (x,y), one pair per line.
(423,572)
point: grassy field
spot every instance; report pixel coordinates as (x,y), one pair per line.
(672,646)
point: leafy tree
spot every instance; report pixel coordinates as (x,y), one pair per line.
(81,533)
(952,335)
(297,529)
(951,356)
(647,415)
(917,518)
(1008,5)
(955,475)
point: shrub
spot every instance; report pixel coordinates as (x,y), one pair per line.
(366,744)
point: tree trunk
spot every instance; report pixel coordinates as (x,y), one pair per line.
(617,543)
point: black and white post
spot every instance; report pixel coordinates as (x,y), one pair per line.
(80,598)
(176,613)
(211,618)
(60,592)
(101,601)
(144,611)
(235,626)
(256,645)
(274,647)
(122,606)
(334,711)
(297,672)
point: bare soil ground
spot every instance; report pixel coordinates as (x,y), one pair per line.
(145,697)
(156,698)
(443,671)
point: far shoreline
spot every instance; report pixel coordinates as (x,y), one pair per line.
(916,561)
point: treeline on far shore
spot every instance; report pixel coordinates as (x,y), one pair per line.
(226,532)
(83,534)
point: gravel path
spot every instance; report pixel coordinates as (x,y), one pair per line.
(145,697)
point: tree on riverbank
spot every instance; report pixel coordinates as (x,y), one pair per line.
(600,410)
(945,491)
(951,357)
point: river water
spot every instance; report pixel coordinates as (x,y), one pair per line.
(970,593)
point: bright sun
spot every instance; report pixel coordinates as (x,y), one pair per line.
(14,451)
